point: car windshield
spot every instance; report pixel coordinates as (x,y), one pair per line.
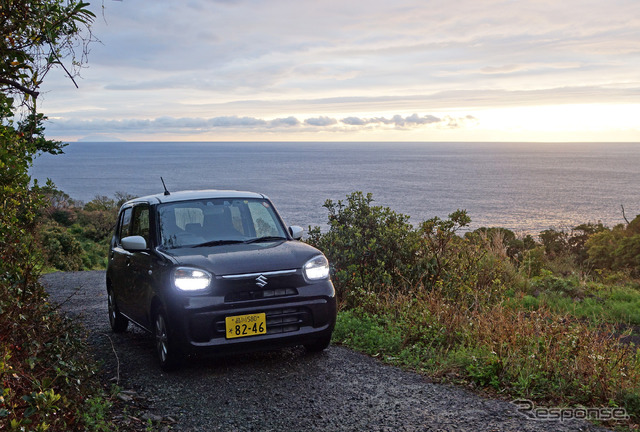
(218,221)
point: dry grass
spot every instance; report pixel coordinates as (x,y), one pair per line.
(541,355)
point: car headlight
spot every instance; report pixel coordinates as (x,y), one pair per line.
(191,279)
(316,268)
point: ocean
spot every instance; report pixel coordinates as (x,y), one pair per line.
(526,187)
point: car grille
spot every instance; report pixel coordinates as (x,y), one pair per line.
(285,320)
(282,320)
(259,294)
(259,286)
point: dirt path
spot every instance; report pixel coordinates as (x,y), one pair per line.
(286,390)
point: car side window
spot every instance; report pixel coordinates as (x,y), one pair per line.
(140,223)
(125,223)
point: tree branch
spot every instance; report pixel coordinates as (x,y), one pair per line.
(20,87)
(53,51)
(623,215)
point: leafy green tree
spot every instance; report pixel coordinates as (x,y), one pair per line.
(578,240)
(39,35)
(371,248)
(617,249)
(44,377)
(375,252)
(438,235)
(556,243)
(61,249)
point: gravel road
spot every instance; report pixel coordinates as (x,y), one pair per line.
(285,390)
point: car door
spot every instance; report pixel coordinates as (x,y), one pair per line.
(140,290)
(119,262)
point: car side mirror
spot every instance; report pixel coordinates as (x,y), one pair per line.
(134,243)
(296,232)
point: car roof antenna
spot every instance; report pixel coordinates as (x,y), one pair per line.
(166,191)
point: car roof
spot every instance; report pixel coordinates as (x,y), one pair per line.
(194,195)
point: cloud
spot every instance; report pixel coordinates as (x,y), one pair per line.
(354,121)
(241,64)
(167,124)
(321,121)
(280,122)
(234,121)
(411,121)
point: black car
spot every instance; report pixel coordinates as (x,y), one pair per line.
(215,272)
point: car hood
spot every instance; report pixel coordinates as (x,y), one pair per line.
(245,258)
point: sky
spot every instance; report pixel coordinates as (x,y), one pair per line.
(355,70)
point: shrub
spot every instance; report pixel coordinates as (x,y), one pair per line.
(459,307)
(375,250)
(371,248)
(61,249)
(617,249)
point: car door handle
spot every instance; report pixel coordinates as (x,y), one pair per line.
(128,261)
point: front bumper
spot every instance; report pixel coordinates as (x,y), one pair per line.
(295,315)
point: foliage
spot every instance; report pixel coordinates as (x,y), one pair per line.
(76,236)
(42,384)
(528,318)
(61,249)
(37,36)
(372,248)
(45,371)
(367,334)
(617,249)
(541,355)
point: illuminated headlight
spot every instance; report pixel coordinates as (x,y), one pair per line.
(316,268)
(191,279)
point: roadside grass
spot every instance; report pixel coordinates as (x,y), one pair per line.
(539,353)
(615,303)
(621,305)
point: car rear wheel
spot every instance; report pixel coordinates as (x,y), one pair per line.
(118,322)
(168,354)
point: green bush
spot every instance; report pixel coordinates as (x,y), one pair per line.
(375,250)
(61,249)
(617,249)
(79,240)
(547,282)
(371,248)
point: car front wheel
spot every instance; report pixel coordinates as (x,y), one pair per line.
(318,345)
(118,322)
(167,352)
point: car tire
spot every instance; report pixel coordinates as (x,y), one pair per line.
(318,345)
(118,322)
(166,350)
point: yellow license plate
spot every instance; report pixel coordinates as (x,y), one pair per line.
(246,325)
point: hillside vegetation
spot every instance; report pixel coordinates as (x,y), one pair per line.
(542,319)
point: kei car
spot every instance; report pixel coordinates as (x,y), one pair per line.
(216,272)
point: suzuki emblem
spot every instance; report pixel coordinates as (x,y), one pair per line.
(261,281)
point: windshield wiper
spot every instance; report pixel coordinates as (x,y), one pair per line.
(217,243)
(265,239)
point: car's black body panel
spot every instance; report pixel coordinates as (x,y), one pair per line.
(245,258)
